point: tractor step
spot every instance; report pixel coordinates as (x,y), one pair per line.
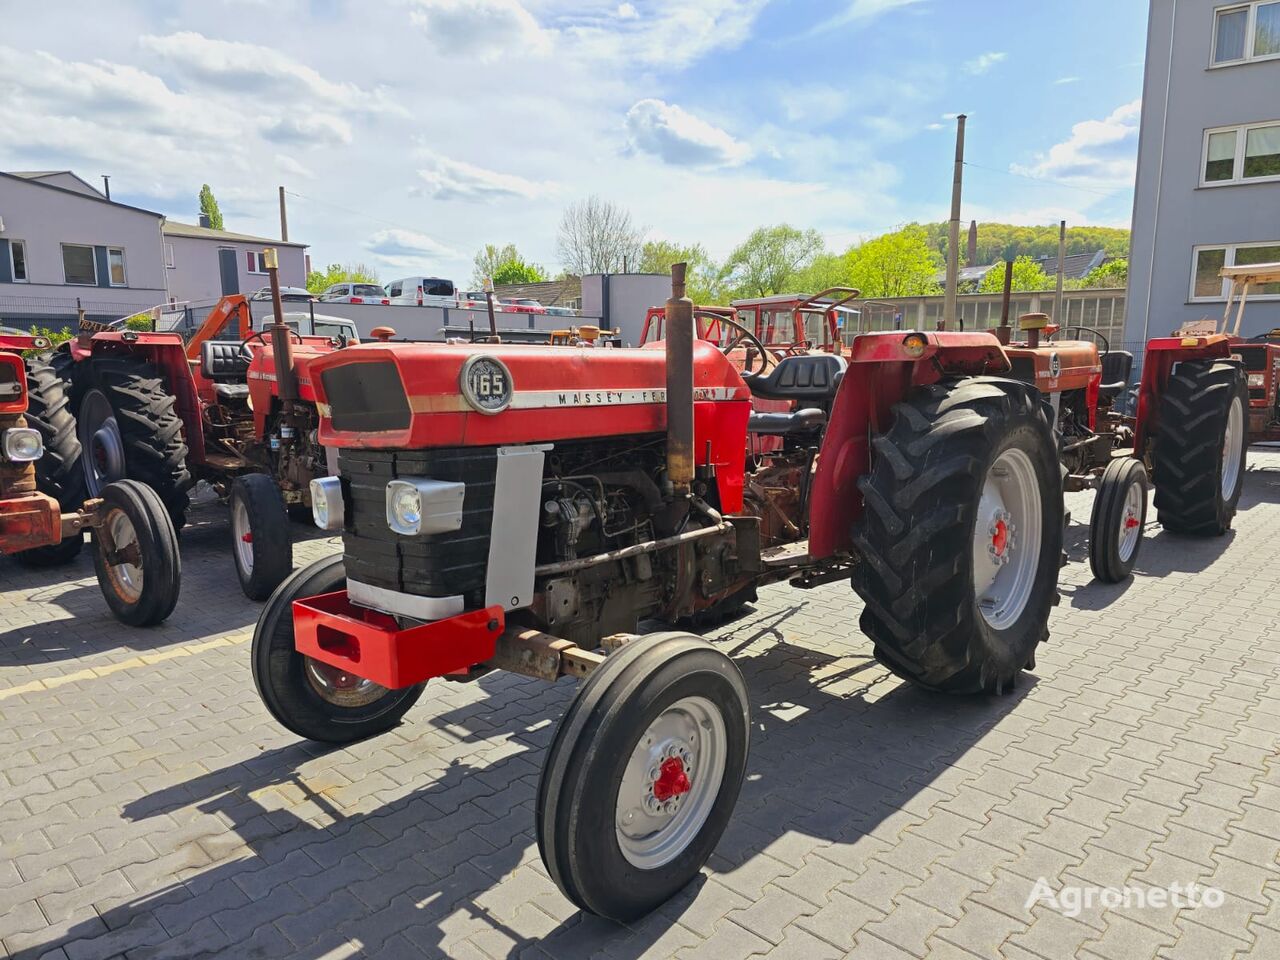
(786,555)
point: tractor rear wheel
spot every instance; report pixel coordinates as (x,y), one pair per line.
(58,472)
(1199,458)
(1119,514)
(961,535)
(643,774)
(129,427)
(141,576)
(260,540)
(310,698)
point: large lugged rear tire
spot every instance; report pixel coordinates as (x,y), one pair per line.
(312,699)
(643,774)
(961,536)
(1199,458)
(129,427)
(58,472)
(142,579)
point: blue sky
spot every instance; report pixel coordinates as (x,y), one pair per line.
(411,132)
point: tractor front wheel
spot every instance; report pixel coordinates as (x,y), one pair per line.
(1119,514)
(1199,457)
(135,553)
(961,535)
(260,539)
(643,774)
(310,698)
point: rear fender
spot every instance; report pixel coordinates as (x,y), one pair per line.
(1160,357)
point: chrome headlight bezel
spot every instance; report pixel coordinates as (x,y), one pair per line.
(327,508)
(23,445)
(436,503)
(1257,380)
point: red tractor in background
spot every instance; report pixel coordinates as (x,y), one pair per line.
(135,547)
(1260,354)
(230,406)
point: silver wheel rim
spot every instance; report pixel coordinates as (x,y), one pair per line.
(126,578)
(1006,539)
(340,688)
(242,536)
(103,445)
(1130,521)
(658,814)
(1232,448)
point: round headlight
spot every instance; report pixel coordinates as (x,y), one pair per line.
(320,512)
(406,507)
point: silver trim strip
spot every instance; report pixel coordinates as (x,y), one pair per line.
(403,604)
(513,536)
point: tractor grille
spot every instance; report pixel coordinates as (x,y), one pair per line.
(1023,368)
(366,396)
(442,565)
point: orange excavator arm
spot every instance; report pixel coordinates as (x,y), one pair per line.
(232,305)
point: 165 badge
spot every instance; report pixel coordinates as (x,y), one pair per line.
(486,384)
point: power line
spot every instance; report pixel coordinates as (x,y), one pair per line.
(1044,180)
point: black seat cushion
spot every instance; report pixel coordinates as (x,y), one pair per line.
(811,377)
(221,361)
(1117,367)
(781,424)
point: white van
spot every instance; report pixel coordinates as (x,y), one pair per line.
(422,292)
(313,325)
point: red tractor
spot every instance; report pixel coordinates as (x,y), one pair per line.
(218,407)
(1261,354)
(44,513)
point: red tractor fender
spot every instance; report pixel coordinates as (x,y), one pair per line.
(881,372)
(1161,354)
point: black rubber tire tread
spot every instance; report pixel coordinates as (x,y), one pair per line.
(158,544)
(1104,520)
(155,448)
(1186,464)
(915,534)
(58,472)
(282,684)
(272,540)
(583,769)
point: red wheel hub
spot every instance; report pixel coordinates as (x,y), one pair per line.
(1130,522)
(248,537)
(672,780)
(1000,539)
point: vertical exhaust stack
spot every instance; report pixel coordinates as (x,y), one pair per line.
(679,341)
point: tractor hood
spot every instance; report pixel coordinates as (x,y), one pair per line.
(417,395)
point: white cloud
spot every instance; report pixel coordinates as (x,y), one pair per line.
(860,11)
(1063,80)
(447,179)
(319,128)
(674,33)
(813,103)
(287,164)
(398,247)
(481,30)
(678,137)
(1098,152)
(983,62)
(627,11)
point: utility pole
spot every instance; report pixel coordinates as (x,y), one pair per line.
(1062,256)
(284,220)
(953,234)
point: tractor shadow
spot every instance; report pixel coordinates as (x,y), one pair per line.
(838,747)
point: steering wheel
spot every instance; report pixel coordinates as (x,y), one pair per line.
(756,348)
(261,335)
(1096,334)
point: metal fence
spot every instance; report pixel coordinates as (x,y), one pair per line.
(61,312)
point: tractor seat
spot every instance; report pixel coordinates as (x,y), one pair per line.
(783,424)
(1117,366)
(222,362)
(232,391)
(805,378)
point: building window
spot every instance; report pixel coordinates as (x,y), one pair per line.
(1206,284)
(168,254)
(18,260)
(115,266)
(256,263)
(1246,31)
(1241,154)
(78,265)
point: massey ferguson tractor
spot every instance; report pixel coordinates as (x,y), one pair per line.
(44,513)
(1260,354)
(229,406)
(525,508)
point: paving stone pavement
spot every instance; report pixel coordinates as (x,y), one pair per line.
(151,807)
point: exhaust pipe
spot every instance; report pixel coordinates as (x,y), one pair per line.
(679,342)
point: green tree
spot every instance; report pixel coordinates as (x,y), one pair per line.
(320,280)
(1027,275)
(504,265)
(771,259)
(209,207)
(898,264)
(1113,273)
(827,270)
(702,279)
(1000,240)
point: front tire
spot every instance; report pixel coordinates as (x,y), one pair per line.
(310,698)
(961,535)
(643,774)
(261,544)
(142,577)
(1118,517)
(58,471)
(1198,462)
